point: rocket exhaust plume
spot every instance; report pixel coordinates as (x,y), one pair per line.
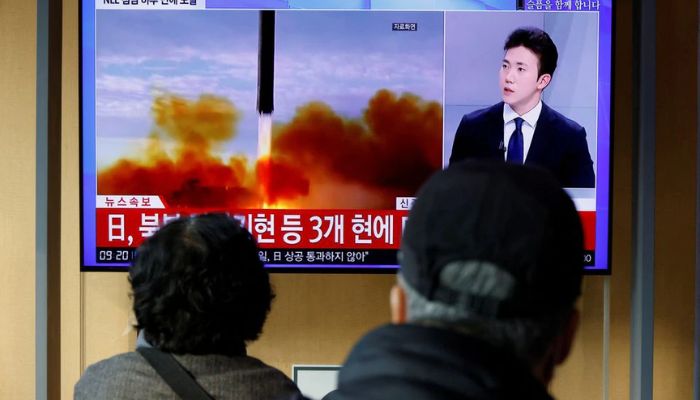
(264,136)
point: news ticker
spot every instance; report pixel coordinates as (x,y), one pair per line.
(292,257)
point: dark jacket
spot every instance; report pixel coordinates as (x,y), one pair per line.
(129,376)
(558,145)
(411,362)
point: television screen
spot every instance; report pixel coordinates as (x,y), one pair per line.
(314,123)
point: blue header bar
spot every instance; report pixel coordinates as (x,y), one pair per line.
(439,5)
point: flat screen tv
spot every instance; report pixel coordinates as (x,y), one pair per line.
(314,122)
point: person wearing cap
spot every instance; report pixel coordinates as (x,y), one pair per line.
(484,307)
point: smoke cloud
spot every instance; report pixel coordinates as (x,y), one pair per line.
(319,159)
(389,152)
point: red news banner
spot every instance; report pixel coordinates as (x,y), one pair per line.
(284,236)
(284,229)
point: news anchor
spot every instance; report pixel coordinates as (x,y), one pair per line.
(522,129)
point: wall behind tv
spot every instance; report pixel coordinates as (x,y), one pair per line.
(18,55)
(676,197)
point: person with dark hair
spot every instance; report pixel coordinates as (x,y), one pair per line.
(200,293)
(484,307)
(522,128)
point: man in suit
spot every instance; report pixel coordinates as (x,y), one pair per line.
(521,128)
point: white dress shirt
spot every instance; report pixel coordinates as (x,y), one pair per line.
(529,124)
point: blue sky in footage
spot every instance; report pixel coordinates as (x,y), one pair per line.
(341,58)
(142,53)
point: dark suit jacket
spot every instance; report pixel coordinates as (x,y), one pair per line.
(559,144)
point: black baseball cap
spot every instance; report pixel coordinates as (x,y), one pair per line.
(509,224)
